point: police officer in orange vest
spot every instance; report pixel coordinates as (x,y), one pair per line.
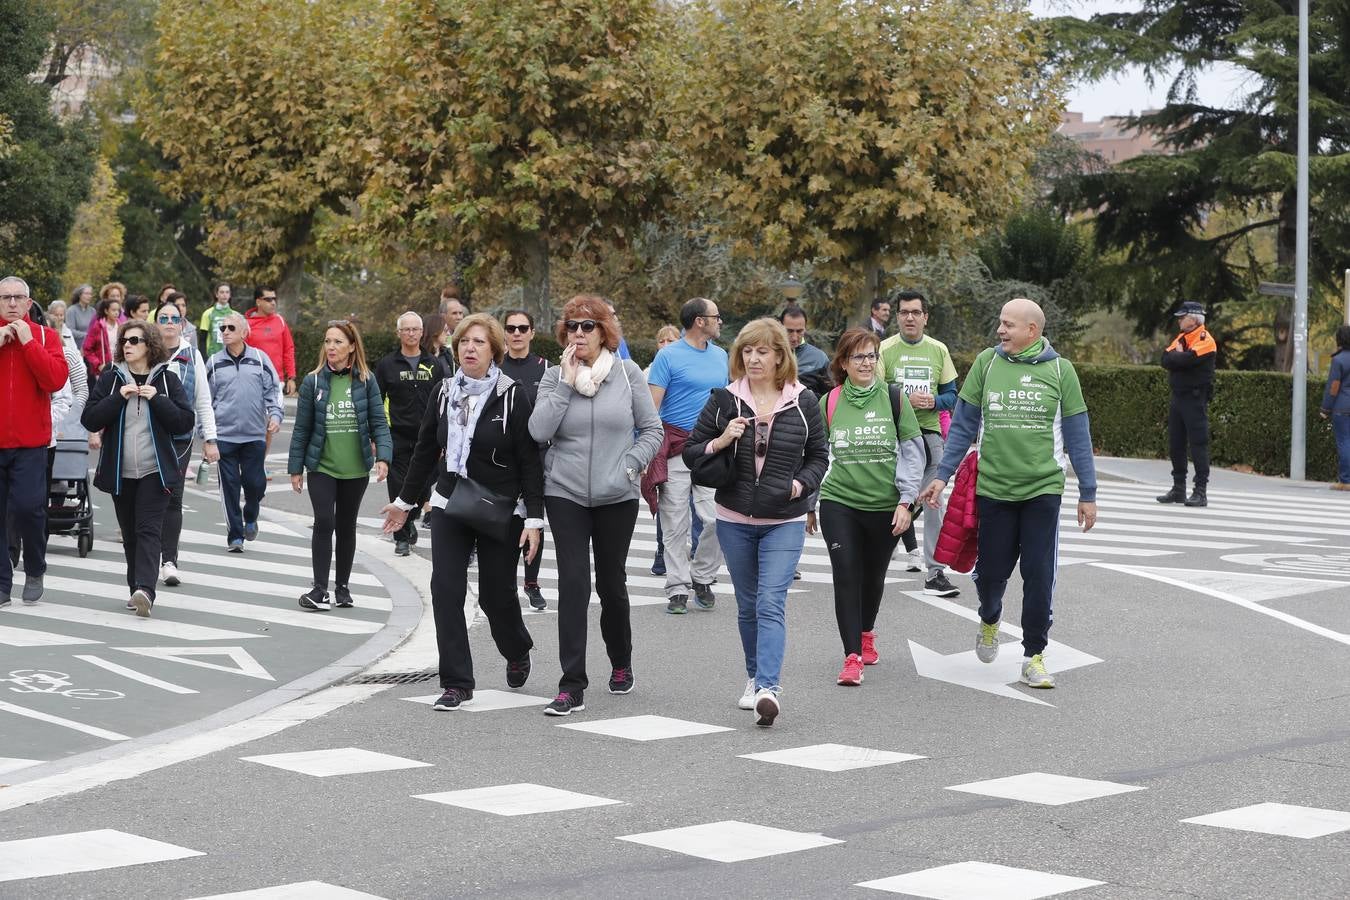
(1189,361)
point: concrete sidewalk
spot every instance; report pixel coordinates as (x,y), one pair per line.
(1159,472)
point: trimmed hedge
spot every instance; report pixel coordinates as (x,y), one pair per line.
(1249,418)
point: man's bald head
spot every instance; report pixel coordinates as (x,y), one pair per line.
(1020,323)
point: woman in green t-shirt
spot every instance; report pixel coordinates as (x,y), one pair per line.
(876,463)
(338,421)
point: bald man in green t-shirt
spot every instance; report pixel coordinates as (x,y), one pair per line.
(1035,422)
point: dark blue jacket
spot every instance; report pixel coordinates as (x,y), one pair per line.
(311,422)
(170,413)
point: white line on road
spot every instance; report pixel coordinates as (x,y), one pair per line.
(125,621)
(64,723)
(28,637)
(135,676)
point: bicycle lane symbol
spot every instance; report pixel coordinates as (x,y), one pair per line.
(43,681)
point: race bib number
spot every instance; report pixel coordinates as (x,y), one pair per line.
(916,379)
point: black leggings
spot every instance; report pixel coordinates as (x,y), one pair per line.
(336,502)
(173,514)
(860,551)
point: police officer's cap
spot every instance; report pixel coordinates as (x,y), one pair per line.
(1189,308)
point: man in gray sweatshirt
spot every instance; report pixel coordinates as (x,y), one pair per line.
(246,399)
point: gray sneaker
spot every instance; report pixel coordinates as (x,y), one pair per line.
(1034,674)
(703,596)
(32,589)
(986,643)
(678,605)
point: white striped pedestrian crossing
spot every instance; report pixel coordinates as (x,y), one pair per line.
(121,620)
(220,560)
(28,637)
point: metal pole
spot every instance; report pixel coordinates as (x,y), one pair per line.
(1298,449)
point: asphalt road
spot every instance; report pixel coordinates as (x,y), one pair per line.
(1202,673)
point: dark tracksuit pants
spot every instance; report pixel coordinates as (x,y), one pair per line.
(451,544)
(1027,531)
(140,510)
(23,507)
(398,471)
(1188,423)
(860,545)
(577,532)
(173,514)
(241,466)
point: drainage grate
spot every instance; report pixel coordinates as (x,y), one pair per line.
(394,678)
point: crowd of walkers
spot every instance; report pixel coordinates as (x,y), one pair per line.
(739,456)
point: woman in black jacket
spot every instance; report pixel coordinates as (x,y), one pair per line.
(139,404)
(772,430)
(476,429)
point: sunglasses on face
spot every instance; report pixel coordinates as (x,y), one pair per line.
(525,329)
(225,328)
(133,340)
(761,438)
(586,326)
(169,320)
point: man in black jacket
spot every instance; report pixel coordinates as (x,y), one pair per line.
(525,368)
(408,379)
(1189,361)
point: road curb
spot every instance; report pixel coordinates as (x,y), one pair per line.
(403,620)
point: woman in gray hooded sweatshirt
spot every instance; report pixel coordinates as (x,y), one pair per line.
(596,412)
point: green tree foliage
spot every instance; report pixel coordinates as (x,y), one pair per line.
(514,127)
(114,31)
(1158,210)
(45,166)
(858,134)
(1038,245)
(96,237)
(252,103)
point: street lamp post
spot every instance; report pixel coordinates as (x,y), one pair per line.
(791,289)
(1298,449)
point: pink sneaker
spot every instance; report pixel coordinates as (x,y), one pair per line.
(869,654)
(853,670)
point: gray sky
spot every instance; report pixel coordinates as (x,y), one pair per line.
(1130,92)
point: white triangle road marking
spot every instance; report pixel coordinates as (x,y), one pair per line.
(244,663)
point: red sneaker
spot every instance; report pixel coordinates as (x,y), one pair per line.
(853,670)
(869,654)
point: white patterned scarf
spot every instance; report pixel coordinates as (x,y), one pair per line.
(467,397)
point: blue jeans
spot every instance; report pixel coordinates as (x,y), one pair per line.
(762,559)
(241,465)
(1340,426)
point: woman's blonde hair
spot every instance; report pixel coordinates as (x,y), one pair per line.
(495,335)
(360,368)
(667,332)
(769,333)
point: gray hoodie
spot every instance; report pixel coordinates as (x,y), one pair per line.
(595,459)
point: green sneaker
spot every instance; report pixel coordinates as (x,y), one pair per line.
(1034,674)
(986,643)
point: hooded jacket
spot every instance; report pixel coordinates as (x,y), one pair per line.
(29,374)
(796,451)
(170,413)
(272,335)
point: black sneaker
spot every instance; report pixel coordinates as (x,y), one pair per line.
(621,681)
(703,596)
(536,596)
(517,670)
(452,698)
(797,575)
(401,547)
(342,596)
(939,586)
(678,605)
(410,532)
(659,564)
(315,598)
(565,704)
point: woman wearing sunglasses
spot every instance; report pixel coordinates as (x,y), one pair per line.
(865,501)
(770,425)
(139,404)
(597,412)
(475,436)
(340,434)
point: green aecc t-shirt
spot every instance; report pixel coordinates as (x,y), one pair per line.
(924,366)
(341,456)
(1023,403)
(863,449)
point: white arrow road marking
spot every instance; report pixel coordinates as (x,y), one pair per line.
(28,637)
(1259,587)
(244,663)
(64,723)
(135,676)
(966,670)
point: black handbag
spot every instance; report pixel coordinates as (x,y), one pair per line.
(480,509)
(716,470)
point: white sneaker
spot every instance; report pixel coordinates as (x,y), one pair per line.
(168,573)
(767,707)
(915,560)
(747,700)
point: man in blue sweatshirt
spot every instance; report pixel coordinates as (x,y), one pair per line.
(1033,411)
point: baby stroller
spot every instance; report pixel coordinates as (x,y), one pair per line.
(69,507)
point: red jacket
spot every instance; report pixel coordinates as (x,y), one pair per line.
(956,544)
(29,374)
(272,336)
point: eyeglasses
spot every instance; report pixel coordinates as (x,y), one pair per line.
(13,298)
(169,320)
(761,438)
(717,316)
(525,329)
(133,340)
(911,313)
(271,299)
(225,328)
(859,359)
(586,325)
(412,330)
